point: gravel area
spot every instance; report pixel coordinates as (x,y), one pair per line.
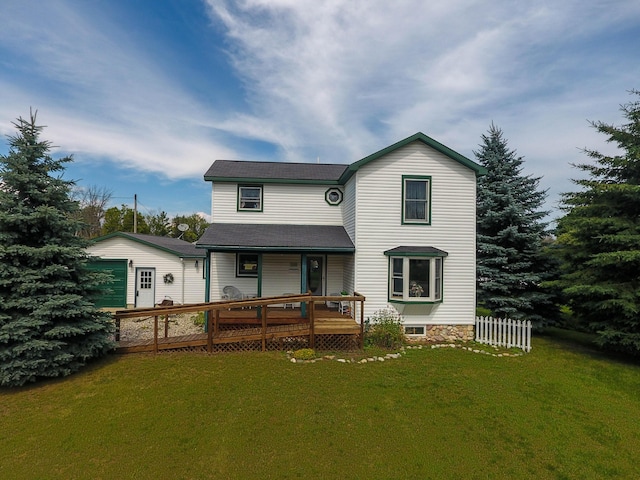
(142,328)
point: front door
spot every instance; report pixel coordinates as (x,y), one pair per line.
(145,287)
(315,275)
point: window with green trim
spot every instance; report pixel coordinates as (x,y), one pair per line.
(246,265)
(415,279)
(250,198)
(416,199)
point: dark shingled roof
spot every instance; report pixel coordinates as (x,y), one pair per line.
(259,237)
(417,251)
(172,245)
(309,172)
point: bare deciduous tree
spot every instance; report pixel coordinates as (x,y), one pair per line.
(93,202)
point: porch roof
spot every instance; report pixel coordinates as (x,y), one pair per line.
(233,237)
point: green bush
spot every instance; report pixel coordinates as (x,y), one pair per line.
(384,329)
(198,319)
(304,354)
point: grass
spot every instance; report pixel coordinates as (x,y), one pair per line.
(558,412)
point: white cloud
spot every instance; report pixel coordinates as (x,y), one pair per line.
(335,79)
(342,79)
(104,96)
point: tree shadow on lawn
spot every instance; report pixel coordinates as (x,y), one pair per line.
(91,366)
(585,343)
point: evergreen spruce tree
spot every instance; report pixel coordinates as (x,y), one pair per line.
(510,232)
(49,326)
(599,238)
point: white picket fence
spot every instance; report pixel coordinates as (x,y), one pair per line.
(504,333)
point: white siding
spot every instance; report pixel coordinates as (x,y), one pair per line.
(188,285)
(289,204)
(223,273)
(280,274)
(349,208)
(335,269)
(453,218)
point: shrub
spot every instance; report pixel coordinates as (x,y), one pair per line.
(384,329)
(198,319)
(304,354)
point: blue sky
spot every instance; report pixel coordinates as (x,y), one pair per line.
(146,94)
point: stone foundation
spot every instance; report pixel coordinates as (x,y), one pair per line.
(445,333)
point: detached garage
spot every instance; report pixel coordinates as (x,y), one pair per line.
(148,269)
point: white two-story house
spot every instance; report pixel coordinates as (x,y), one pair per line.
(397,226)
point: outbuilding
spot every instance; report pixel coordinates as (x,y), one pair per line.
(149,269)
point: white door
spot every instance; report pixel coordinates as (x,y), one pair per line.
(145,287)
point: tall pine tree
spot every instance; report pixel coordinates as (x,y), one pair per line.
(599,238)
(49,326)
(510,231)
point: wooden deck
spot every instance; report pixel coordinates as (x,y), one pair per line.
(251,322)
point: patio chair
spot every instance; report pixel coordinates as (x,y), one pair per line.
(333,303)
(288,303)
(231,293)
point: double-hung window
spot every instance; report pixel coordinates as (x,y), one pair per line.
(415,274)
(250,198)
(416,199)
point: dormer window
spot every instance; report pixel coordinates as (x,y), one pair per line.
(249,198)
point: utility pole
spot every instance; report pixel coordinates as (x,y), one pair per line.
(135,213)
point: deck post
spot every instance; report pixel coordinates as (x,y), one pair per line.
(166,325)
(155,334)
(264,329)
(210,332)
(361,324)
(216,324)
(312,326)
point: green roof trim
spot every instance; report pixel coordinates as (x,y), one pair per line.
(354,167)
(162,243)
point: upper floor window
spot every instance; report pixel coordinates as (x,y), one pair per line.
(250,198)
(416,199)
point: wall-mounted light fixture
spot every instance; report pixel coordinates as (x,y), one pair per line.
(196,264)
(130,263)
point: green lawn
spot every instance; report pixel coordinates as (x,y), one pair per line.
(561,411)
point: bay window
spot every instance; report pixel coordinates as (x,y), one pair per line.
(415,274)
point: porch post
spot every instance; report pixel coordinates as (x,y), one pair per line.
(303,283)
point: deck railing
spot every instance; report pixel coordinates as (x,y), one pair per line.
(213,311)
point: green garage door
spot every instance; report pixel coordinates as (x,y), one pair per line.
(115,295)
